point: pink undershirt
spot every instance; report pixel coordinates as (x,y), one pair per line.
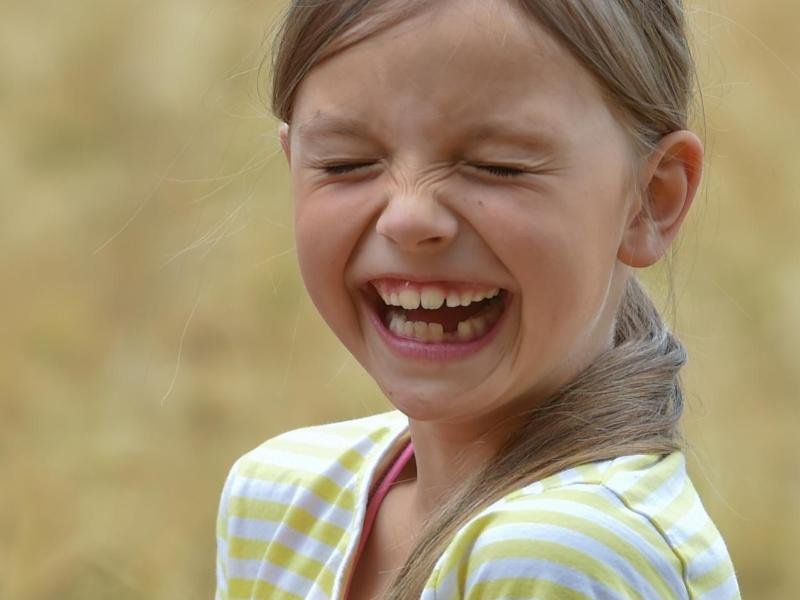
(375,500)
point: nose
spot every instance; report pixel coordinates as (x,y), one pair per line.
(417,222)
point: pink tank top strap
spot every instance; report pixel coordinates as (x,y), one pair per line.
(377,497)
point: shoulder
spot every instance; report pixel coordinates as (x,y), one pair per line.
(327,455)
(299,491)
(327,441)
(588,532)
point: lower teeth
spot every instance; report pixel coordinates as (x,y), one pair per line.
(421,331)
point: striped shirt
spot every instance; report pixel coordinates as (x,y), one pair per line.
(292,513)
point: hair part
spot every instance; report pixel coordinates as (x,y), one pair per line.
(629,399)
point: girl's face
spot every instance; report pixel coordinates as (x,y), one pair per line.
(461,157)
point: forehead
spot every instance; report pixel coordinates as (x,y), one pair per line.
(457,66)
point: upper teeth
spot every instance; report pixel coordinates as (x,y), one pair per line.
(432,297)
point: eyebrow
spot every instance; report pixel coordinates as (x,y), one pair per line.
(324,125)
(530,140)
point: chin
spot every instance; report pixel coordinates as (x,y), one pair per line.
(433,401)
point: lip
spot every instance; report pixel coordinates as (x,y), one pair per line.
(434,279)
(427,351)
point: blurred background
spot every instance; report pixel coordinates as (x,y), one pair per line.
(154,326)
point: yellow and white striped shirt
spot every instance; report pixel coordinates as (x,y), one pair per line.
(292,511)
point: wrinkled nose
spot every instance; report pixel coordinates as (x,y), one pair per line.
(416,222)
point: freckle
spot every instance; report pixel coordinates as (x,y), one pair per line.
(480,203)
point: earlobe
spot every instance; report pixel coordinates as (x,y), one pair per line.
(283,135)
(670,179)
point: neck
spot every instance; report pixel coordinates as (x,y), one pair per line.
(444,456)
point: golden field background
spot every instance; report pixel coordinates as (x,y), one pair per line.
(154,326)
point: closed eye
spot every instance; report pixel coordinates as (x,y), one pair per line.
(501,171)
(345,168)
(496,170)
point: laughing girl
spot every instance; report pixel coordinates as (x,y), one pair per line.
(475,184)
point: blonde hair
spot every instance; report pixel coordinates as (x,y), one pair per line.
(629,399)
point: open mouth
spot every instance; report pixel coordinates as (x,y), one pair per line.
(436,313)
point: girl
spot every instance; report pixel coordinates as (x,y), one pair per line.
(474,183)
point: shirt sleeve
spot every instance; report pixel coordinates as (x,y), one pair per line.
(566,545)
(222,536)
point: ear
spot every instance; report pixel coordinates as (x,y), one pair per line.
(283,135)
(669,181)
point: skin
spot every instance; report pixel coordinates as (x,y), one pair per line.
(562,237)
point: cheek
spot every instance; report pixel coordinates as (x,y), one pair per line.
(561,249)
(325,242)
